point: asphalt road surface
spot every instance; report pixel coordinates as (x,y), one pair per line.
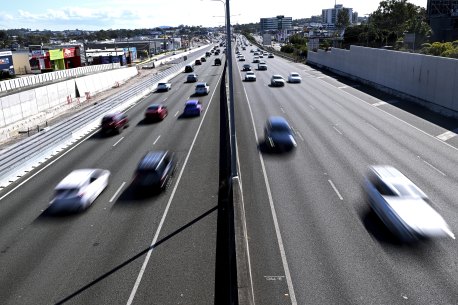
(101,255)
(312,238)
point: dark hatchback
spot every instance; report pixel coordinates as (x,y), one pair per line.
(154,171)
(114,122)
(279,135)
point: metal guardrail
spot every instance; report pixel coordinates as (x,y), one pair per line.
(28,153)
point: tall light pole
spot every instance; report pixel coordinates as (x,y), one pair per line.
(234,172)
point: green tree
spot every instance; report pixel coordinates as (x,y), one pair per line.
(343,19)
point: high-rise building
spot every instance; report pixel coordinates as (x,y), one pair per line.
(443,19)
(278,23)
(329,16)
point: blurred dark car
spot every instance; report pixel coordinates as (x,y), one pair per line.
(246,67)
(114,122)
(156,112)
(197,62)
(154,171)
(203,59)
(191,78)
(218,61)
(188,69)
(278,134)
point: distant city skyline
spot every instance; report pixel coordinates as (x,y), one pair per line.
(137,14)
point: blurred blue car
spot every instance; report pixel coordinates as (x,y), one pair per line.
(192,108)
(278,134)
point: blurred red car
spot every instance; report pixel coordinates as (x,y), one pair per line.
(156,112)
(114,122)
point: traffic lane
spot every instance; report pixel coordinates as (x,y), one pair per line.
(190,229)
(415,154)
(300,119)
(286,176)
(417,115)
(12,209)
(341,146)
(419,150)
(267,270)
(181,132)
(121,286)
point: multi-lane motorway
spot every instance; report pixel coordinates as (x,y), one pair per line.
(46,259)
(311,237)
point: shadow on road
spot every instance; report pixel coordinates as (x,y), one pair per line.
(135,257)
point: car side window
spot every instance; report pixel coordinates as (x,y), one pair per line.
(382,188)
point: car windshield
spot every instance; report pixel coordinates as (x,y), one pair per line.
(153,107)
(279,128)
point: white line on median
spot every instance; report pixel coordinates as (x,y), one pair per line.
(118,141)
(117,192)
(156,140)
(300,136)
(435,168)
(335,128)
(335,189)
(169,202)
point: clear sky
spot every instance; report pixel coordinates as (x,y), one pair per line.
(136,14)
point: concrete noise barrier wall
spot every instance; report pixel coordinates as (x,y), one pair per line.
(18,83)
(431,80)
(49,100)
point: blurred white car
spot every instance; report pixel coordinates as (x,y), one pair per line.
(164,86)
(202,88)
(294,77)
(250,76)
(277,81)
(78,190)
(402,206)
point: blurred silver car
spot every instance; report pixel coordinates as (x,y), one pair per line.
(277,81)
(250,76)
(78,190)
(164,86)
(294,77)
(402,206)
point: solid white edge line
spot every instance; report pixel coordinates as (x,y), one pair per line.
(117,192)
(245,233)
(47,165)
(335,189)
(118,141)
(156,140)
(164,215)
(289,281)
